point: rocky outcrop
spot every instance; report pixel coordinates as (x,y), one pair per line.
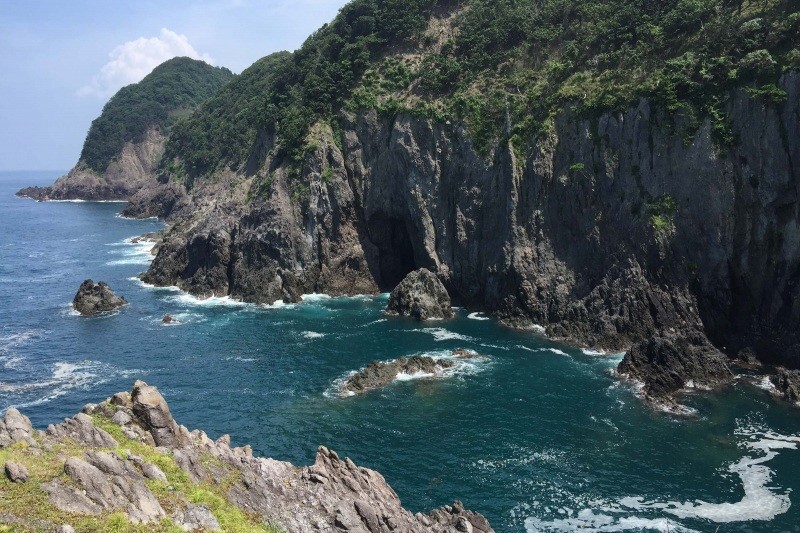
(380,373)
(98,480)
(787,383)
(667,363)
(130,171)
(421,296)
(96,298)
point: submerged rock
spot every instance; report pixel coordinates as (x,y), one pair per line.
(421,296)
(167,319)
(95,298)
(379,373)
(788,384)
(669,362)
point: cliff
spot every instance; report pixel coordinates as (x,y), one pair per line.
(126,465)
(609,232)
(126,142)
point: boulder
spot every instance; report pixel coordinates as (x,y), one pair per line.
(421,296)
(153,415)
(16,427)
(788,384)
(16,472)
(379,373)
(167,319)
(95,298)
(669,362)
(195,517)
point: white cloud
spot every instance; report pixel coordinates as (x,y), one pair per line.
(133,60)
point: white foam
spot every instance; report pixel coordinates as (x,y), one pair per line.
(539,350)
(312,335)
(761,501)
(9,343)
(591,521)
(187,299)
(477,316)
(65,377)
(315,297)
(137,253)
(278,304)
(441,334)
(402,376)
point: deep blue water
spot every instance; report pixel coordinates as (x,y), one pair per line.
(538,437)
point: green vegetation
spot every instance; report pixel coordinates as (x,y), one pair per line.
(662,211)
(503,67)
(166,95)
(30,501)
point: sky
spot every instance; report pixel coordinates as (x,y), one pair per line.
(61,60)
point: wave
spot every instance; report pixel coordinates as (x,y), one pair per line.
(591,521)
(142,284)
(186,299)
(441,334)
(9,344)
(540,350)
(312,335)
(279,304)
(65,377)
(478,316)
(138,253)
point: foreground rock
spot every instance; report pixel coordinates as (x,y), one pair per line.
(670,362)
(379,373)
(787,382)
(162,462)
(421,296)
(95,298)
(16,473)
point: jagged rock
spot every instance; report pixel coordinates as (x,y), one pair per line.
(16,472)
(153,415)
(95,298)
(81,429)
(421,296)
(331,493)
(669,362)
(194,517)
(788,384)
(379,373)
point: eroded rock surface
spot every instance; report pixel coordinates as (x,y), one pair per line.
(96,298)
(421,296)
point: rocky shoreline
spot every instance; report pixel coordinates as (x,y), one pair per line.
(128,459)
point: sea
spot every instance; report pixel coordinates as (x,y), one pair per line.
(538,436)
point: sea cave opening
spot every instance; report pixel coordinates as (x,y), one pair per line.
(395,249)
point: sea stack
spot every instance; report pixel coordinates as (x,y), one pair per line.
(421,296)
(96,298)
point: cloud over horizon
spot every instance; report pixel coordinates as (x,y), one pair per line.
(133,60)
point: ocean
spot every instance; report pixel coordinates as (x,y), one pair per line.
(538,436)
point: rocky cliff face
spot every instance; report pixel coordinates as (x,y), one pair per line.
(127,460)
(608,232)
(133,169)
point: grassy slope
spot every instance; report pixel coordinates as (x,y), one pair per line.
(30,501)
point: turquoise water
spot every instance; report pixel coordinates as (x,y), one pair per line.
(538,436)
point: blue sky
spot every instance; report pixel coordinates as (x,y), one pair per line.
(60,60)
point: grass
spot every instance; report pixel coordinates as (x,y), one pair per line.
(31,503)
